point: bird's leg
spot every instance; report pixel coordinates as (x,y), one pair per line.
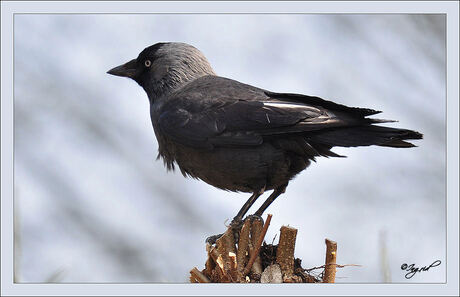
(278,191)
(237,221)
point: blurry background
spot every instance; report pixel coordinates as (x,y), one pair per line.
(93,205)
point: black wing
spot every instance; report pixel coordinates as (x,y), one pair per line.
(205,117)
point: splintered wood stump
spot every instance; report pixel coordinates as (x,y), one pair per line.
(251,260)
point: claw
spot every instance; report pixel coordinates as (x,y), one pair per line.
(213,238)
(236,223)
(236,226)
(254,217)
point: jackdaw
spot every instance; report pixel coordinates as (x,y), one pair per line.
(237,137)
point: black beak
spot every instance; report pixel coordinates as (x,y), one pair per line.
(126,70)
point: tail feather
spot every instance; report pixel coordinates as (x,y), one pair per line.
(367,135)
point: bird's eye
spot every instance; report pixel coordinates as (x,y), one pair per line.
(147,63)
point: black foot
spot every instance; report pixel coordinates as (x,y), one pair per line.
(213,238)
(254,217)
(236,223)
(236,226)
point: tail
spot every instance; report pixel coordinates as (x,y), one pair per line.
(367,135)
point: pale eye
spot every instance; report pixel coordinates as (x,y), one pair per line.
(147,63)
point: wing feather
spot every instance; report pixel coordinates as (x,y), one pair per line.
(205,116)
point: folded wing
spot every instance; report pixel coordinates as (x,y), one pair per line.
(211,118)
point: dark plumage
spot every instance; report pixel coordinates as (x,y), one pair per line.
(238,137)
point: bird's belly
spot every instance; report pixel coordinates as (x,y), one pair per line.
(236,169)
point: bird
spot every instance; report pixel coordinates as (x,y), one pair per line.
(242,138)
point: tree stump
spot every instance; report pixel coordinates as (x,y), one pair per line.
(251,260)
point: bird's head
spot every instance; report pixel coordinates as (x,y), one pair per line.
(164,67)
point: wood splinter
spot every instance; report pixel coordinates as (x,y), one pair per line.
(226,251)
(256,229)
(258,245)
(331,261)
(197,276)
(243,250)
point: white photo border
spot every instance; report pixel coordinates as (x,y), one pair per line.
(9,8)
